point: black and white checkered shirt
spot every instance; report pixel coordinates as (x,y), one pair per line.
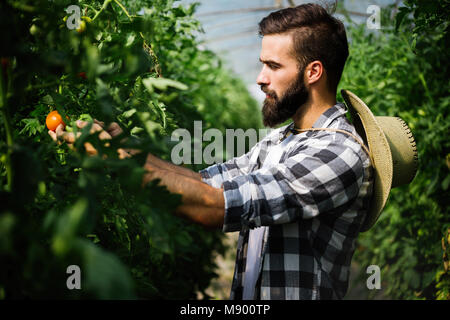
(313,202)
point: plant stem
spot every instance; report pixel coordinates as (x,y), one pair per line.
(105,4)
(9,142)
(123,9)
(153,55)
(5,85)
(41,86)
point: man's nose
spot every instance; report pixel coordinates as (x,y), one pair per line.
(262,79)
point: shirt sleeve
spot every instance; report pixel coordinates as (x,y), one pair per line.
(216,174)
(307,184)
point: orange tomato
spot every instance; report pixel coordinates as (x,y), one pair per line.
(53,120)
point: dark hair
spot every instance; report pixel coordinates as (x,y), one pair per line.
(316,36)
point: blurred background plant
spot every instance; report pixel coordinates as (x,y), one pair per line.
(133,62)
(402,70)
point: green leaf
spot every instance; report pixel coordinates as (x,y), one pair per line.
(86,117)
(129,113)
(32,126)
(68,226)
(48,100)
(403,11)
(160,108)
(105,277)
(71,221)
(7,222)
(446,182)
(162,84)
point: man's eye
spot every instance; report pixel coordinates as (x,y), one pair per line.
(273,67)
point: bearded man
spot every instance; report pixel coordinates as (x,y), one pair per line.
(300,196)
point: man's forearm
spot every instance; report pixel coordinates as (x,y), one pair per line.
(201,203)
(206,216)
(172,167)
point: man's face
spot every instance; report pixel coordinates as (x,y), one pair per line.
(281,79)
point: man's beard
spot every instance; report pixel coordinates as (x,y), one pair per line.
(276,111)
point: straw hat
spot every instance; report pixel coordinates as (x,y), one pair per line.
(392,150)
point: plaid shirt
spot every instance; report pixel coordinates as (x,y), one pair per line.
(313,202)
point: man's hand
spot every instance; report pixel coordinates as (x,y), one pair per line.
(202,203)
(114,129)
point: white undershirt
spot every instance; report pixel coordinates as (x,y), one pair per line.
(256,235)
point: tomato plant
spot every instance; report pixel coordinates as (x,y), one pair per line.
(61,207)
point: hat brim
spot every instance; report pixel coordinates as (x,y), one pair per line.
(380,155)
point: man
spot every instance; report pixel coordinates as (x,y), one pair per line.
(299,197)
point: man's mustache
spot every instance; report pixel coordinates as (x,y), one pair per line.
(268,92)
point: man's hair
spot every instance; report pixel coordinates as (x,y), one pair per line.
(316,36)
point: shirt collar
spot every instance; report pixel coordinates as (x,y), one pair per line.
(329,115)
(325,119)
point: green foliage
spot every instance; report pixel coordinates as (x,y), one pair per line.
(429,17)
(443,276)
(61,207)
(396,78)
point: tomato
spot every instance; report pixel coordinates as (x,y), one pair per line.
(5,63)
(53,120)
(34,30)
(82,75)
(86,18)
(82,27)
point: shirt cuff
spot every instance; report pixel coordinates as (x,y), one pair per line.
(212,176)
(206,178)
(238,204)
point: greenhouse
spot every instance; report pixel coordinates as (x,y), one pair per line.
(224,150)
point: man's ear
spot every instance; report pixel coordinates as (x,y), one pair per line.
(314,72)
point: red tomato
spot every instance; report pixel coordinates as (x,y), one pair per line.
(53,120)
(5,62)
(82,75)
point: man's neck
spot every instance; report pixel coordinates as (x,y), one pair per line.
(308,113)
